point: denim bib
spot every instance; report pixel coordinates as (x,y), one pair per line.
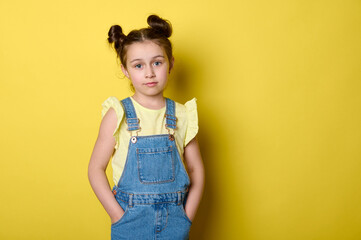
(154,184)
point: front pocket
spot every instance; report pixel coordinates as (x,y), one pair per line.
(155,165)
(121,219)
(185,214)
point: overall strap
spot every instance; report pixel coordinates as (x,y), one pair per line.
(131,116)
(171,120)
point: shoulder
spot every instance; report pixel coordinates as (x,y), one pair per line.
(113,103)
(186,110)
(109,121)
(187,119)
(112,116)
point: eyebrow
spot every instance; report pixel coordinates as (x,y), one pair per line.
(138,59)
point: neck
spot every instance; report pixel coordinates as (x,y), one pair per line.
(152,102)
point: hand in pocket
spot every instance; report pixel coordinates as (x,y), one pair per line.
(117,216)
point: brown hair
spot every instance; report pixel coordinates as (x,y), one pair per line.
(159,31)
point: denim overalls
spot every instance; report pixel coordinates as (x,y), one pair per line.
(154,184)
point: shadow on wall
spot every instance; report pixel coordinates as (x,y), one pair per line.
(187,81)
(206,212)
(182,88)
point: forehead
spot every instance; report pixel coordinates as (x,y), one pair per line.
(144,50)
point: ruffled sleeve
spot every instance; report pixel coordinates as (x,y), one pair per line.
(113,102)
(192,120)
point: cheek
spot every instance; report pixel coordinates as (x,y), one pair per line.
(134,76)
(165,72)
(135,80)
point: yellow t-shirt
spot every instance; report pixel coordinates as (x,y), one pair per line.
(152,122)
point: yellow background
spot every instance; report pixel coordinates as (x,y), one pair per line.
(278,86)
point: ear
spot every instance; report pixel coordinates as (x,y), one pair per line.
(171,64)
(125,71)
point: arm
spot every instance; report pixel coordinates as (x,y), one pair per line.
(103,150)
(195,169)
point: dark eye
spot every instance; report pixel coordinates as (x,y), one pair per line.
(157,63)
(138,66)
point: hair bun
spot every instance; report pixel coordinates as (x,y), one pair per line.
(116,36)
(160,25)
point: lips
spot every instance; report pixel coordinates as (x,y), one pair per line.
(151,84)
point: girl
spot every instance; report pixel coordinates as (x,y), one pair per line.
(148,137)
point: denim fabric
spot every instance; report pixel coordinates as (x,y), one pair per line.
(153,187)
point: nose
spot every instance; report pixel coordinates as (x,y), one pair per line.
(149,72)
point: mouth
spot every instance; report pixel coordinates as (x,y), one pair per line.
(151,84)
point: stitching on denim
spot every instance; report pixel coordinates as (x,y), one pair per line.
(166,151)
(153,203)
(146,194)
(172,179)
(157,135)
(166,221)
(154,182)
(148,201)
(122,200)
(155,150)
(156,221)
(171,117)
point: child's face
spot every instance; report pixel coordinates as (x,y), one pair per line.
(147,68)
